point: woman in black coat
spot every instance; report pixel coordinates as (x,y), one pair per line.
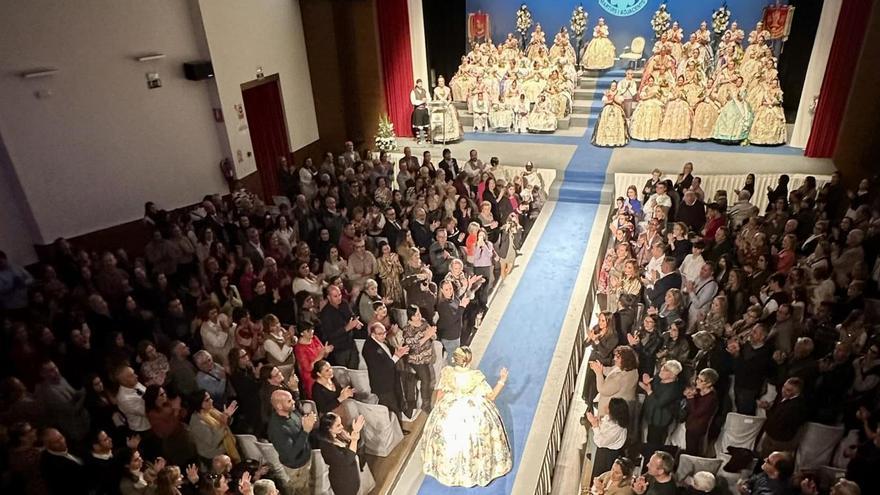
(664,394)
(339,449)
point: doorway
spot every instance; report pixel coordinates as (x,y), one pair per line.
(267,124)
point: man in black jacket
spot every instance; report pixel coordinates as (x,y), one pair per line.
(752,364)
(670,278)
(382,361)
(785,416)
(65,474)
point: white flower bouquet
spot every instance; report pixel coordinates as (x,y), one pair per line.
(579,21)
(523,20)
(661,21)
(720,19)
(385,138)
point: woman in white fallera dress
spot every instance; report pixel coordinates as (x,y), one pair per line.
(451,131)
(600,52)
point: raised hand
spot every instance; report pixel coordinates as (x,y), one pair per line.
(503,373)
(133,441)
(244,484)
(358,424)
(192,474)
(230,409)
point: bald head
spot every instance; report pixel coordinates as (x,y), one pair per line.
(282,402)
(54,441)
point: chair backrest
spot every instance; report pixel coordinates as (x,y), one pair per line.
(320,473)
(270,457)
(360,381)
(740,430)
(638,45)
(341,373)
(249,448)
(690,464)
(817,445)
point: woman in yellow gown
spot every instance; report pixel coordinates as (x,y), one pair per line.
(464,442)
(461,82)
(542,118)
(769,129)
(558,95)
(610,130)
(648,115)
(600,52)
(534,83)
(693,84)
(677,117)
(706,113)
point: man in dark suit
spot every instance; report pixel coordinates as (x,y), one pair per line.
(670,278)
(381,361)
(785,416)
(449,165)
(65,474)
(392,231)
(253,250)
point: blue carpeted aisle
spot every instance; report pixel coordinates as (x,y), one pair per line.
(527,333)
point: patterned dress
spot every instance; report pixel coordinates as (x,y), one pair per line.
(390,271)
(610,129)
(600,52)
(464,440)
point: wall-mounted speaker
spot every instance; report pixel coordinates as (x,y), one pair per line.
(198,71)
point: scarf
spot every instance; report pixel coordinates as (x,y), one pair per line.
(212,419)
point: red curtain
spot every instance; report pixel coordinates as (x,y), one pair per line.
(845,48)
(396,52)
(265,117)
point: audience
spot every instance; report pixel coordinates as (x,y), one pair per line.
(237,303)
(762,314)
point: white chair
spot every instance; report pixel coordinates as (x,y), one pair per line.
(817,445)
(439,361)
(321,474)
(677,436)
(633,54)
(358,380)
(270,458)
(739,430)
(851,439)
(690,464)
(359,343)
(382,431)
(248,446)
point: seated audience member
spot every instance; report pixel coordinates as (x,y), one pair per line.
(658,480)
(774,476)
(616,481)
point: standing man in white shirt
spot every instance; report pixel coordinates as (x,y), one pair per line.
(421,119)
(130,400)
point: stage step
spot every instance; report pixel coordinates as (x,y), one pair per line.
(573,191)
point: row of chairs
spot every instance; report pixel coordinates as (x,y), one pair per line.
(816,447)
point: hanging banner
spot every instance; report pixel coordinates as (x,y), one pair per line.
(478,27)
(777,20)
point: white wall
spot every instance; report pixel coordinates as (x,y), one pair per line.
(89,156)
(267,33)
(16,234)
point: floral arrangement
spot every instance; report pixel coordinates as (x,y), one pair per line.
(579,21)
(523,19)
(661,21)
(385,138)
(720,19)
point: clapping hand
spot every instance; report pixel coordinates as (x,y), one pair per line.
(646,378)
(293,381)
(597,367)
(640,485)
(192,474)
(327,350)
(401,351)
(244,484)
(230,409)
(353,324)
(159,464)
(358,425)
(133,441)
(632,339)
(431,331)
(346,393)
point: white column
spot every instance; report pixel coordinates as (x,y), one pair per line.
(417,41)
(815,71)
